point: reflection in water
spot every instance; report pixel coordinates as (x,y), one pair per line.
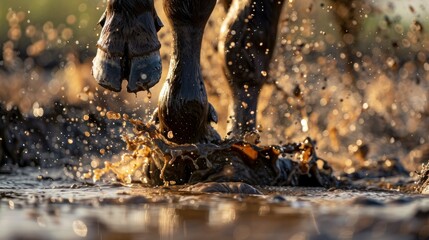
(80,228)
(41,222)
(264,210)
(168,223)
(222,214)
(292,213)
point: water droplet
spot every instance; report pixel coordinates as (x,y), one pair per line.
(113,116)
(11,205)
(80,228)
(304,124)
(170,134)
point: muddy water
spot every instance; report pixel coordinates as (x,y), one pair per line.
(57,203)
(42,204)
(54,202)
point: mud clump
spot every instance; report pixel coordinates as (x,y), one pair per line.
(156,161)
(422,185)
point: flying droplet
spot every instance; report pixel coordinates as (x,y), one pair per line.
(113,116)
(304,125)
(170,134)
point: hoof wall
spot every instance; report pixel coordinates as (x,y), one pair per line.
(107,71)
(145,72)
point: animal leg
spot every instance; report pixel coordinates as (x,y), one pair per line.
(128,47)
(248,38)
(184,112)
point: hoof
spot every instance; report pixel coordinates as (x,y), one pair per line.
(107,71)
(145,72)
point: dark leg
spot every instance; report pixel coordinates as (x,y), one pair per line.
(248,39)
(128,47)
(183,110)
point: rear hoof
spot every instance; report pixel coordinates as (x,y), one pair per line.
(107,71)
(145,72)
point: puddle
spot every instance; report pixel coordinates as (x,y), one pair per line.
(61,208)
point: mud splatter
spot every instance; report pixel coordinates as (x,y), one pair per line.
(154,160)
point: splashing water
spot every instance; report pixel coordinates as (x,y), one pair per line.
(154,160)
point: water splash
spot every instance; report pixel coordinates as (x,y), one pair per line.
(153,160)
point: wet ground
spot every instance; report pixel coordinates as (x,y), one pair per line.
(49,205)
(53,200)
(368,126)
(44,193)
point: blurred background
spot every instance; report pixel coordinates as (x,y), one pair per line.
(352,75)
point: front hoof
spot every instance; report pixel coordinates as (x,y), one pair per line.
(107,71)
(145,72)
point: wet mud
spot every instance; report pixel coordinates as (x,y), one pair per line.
(65,134)
(167,191)
(423,181)
(154,160)
(50,206)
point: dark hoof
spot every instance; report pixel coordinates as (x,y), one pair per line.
(223,187)
(145,72)
(107,71)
